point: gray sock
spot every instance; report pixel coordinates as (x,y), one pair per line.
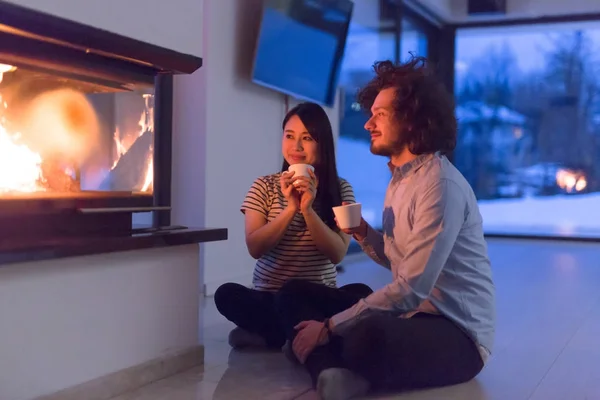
(240,338)
(341,384)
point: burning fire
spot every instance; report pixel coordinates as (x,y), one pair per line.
(570,180)
(5,68)
(146,124)
(58,133)
(22,164)
(23,167)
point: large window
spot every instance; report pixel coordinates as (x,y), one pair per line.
(413,40)
(373,36)
(376,33)
(528,106)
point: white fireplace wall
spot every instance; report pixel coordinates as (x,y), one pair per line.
(69,321)
(72,320)
(175,25)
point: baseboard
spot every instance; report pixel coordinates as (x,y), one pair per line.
(132,378)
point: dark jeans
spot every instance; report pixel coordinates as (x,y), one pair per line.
(392,353)
(255,311)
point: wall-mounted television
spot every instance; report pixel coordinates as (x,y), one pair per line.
(300,47)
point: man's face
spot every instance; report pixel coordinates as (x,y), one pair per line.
(386,136)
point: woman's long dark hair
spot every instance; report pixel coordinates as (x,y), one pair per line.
(318,126)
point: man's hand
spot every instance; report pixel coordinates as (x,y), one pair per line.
(360,232)
(310,335)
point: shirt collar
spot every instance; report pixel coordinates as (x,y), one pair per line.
(412,166)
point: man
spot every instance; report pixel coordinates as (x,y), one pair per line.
(434,324)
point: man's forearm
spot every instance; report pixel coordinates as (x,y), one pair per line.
(372,244)
(341,321)
(429,251)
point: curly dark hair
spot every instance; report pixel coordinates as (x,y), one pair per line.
(422,105)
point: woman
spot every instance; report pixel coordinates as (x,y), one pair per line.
(290,230)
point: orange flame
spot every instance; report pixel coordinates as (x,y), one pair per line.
(21,168)
(146,123)
(58,122)
(570,180)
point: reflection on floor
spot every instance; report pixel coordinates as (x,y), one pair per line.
(547,345)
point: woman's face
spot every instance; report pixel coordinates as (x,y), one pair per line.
(297,146)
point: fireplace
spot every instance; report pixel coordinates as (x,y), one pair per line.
(85,131)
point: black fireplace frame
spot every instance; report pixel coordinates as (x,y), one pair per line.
(45,42)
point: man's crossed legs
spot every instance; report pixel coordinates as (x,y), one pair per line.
(379,351)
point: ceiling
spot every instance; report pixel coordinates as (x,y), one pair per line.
(455,11)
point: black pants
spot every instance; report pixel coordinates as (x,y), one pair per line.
(255,310)
(390,352)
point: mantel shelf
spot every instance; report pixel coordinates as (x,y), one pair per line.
(13,252)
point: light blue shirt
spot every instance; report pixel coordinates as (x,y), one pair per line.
(434,245)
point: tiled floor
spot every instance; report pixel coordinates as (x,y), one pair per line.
(547,345)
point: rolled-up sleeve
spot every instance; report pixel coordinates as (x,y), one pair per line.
(440,213)
(373,246)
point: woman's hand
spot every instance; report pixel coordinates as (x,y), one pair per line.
(287,188)
(307,187)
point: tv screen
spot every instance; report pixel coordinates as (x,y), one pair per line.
(300,47)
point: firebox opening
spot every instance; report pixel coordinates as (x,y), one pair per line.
(66,137)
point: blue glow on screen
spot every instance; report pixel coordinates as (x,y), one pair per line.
(296,58)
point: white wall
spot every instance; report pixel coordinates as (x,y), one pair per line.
(65,322)
(243,138)
(175,24)
(221,119)
(228,127)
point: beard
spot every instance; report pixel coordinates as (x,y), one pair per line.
(381,150)
(387,149)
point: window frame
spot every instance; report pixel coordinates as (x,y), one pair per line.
(453,28)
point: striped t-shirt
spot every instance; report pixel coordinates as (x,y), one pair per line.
(295,256)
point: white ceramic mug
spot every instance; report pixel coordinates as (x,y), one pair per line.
(348,216)
(301,169)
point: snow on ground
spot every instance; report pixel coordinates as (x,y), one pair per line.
(561,214)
